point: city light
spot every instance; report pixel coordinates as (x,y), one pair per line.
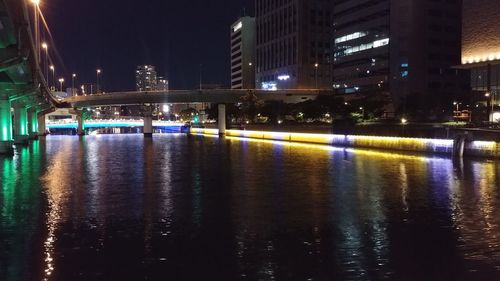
(284,77)
(61,82)
(238,26)
(380,142)
(480,58)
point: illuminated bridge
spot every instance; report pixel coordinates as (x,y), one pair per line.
(219,97)
(114,123)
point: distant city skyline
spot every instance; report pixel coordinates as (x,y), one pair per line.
(174,37)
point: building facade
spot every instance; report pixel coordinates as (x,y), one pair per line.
(243,53)
(361,46)
(294,44)
(481,53)
(403,49)
(145,78)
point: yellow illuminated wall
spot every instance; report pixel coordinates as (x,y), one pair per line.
(481,24)
(442,146)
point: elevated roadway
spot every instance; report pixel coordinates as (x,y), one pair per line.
(189,96)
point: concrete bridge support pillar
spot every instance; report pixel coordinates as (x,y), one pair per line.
(81,125)
(222,119)
(21,136)
(459,145)
(148,122)
(5,127)
(32,124)
(42,128)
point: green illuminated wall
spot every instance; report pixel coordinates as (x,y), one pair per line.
(5,121)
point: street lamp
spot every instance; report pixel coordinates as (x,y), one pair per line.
(73,84)
(316,65)
(98,72)
(53,69)
(36,4)
(45,47)
(61,82)
(489,105)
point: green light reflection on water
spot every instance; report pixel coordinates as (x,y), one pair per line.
(20,203)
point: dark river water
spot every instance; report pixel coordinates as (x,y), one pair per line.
(121,207)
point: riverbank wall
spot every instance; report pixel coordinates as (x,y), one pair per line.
(472,148)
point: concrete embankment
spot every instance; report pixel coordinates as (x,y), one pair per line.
(459,146)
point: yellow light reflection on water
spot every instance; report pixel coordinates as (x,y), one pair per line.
(57,188)
(377,142)
(318,147)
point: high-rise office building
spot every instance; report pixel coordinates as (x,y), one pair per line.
(294,44)
(481,52)
(162,84)
(145,78)
(243,53)
(361,46)
(404,49)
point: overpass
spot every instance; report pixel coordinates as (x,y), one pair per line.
(220,97)
(23,87)
(189,96)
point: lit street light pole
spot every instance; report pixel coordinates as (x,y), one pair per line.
(61,82)
(53,82)
(36,5)
(73,84)
(98,72)
(489,105)
(316,65)
(46,60)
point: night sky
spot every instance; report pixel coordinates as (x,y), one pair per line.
(175,36)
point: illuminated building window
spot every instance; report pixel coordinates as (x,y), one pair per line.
(350,37)
(362,47)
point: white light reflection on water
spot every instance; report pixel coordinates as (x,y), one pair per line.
(475,214)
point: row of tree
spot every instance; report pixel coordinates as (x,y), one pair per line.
(252,109)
